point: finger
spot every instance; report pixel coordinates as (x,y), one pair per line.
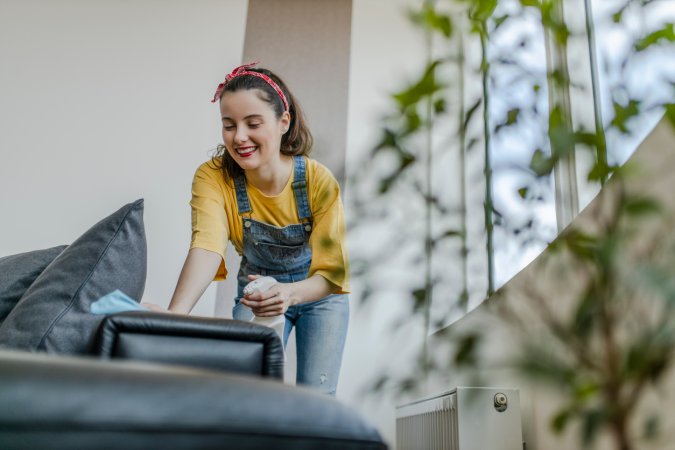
(269,314)
(249,302)
(255,305)
(153,307)
(276,301)
(261,296)
(253,277)
(269,311)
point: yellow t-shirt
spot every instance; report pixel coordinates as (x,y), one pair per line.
(215,218)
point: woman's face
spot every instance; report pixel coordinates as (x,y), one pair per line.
(251,131)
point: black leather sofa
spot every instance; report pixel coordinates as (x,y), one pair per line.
(157,380)
(74,379)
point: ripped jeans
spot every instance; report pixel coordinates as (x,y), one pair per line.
(320,333)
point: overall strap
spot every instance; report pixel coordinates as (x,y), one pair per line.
(300,188)
(242,195)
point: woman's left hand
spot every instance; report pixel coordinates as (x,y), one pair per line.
(273,302)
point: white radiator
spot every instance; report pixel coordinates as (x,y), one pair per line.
(461,419)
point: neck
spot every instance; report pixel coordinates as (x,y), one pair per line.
(271,179)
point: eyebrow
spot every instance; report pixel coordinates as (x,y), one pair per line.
(250,116)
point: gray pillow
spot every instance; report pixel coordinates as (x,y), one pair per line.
(17,273)
(53,314)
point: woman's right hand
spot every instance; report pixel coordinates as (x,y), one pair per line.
(154,307)
(198,271)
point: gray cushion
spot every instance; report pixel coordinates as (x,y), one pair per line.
(53,314)
(17,273)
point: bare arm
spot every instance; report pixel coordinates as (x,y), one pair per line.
(279,297)
(198,271)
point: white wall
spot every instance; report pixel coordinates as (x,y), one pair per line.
(102,103)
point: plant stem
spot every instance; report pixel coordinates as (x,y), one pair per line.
(601,149)
(487,170)
(428,208)
(464,296)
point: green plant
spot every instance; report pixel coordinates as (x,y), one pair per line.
(608,336)
(604,360)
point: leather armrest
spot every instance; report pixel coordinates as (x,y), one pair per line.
(223,344)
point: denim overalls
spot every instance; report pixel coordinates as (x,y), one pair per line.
(284,253)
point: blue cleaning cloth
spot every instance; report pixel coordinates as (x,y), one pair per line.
(115,302)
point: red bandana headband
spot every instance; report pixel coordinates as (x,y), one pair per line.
(243,70)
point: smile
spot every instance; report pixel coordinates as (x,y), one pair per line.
(245,152)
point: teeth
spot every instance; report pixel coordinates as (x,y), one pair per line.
(246,150)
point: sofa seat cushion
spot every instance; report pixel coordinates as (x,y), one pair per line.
(53,315)
(51,402)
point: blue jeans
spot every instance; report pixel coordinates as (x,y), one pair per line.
(320,333)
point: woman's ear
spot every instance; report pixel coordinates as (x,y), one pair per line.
(285,122)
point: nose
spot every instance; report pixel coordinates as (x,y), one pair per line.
(241,135)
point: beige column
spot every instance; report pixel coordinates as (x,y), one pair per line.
(307,43)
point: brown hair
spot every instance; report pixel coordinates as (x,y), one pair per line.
(296,141)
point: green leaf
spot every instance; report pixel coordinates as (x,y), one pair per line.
(586,316)
(601,171)
(540,164)
(405,160)
(590,139)
(472,143)
(463,300)
(649,356)
(388,140)
(467,349)
(641,206)
(586,391)
(420,299)
(560,133)
(412,121)
(665,34)
(498,21)
(670,113)
(440,106)
(545,365)
(552,20)
(622,114)
(512,116)
(429,18)
(533,3)
(423,88)
(580,244)
(470,112)
(560,420)
(523,192)
(617,16)
(483,10)
(451,233)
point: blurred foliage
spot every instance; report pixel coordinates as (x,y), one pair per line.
(618,337)
(611,347)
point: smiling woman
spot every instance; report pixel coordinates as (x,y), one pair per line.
(283,213)
(251,135)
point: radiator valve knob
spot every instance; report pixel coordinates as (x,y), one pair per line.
(501,402)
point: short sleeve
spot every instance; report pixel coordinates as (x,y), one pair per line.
(329,252)
(209,225)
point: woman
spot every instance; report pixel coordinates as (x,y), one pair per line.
(283,213)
